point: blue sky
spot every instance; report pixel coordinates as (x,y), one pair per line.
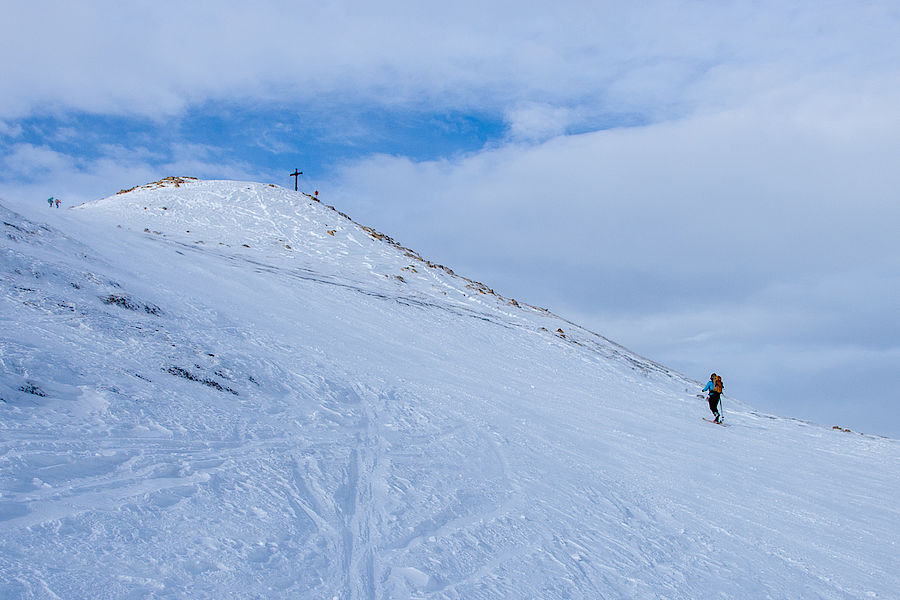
(713,185)
(265,138)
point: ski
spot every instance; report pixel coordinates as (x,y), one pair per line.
(722,423)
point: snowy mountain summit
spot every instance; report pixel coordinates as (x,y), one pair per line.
(216,389)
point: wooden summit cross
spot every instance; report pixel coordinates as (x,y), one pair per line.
(296,175)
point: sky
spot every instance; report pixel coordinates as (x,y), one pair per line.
(711,184)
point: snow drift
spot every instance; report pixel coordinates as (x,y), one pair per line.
(219,389)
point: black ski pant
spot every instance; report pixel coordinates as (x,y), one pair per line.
(714,402)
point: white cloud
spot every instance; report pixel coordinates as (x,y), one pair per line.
(532,122)
(29,160)
(658,58)
(745,193)
(12,131)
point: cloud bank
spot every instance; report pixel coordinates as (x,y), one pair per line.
(656,58)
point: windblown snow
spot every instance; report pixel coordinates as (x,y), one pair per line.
(216,389)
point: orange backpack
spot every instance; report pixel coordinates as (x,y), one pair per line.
(717,385)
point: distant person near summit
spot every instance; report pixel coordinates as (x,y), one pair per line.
(50,201)
(714,386)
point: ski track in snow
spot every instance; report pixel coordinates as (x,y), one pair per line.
(246,405)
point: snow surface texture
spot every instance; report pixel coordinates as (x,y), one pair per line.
(216,389)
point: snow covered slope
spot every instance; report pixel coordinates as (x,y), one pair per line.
(218,389)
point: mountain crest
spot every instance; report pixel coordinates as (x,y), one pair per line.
(255,216)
